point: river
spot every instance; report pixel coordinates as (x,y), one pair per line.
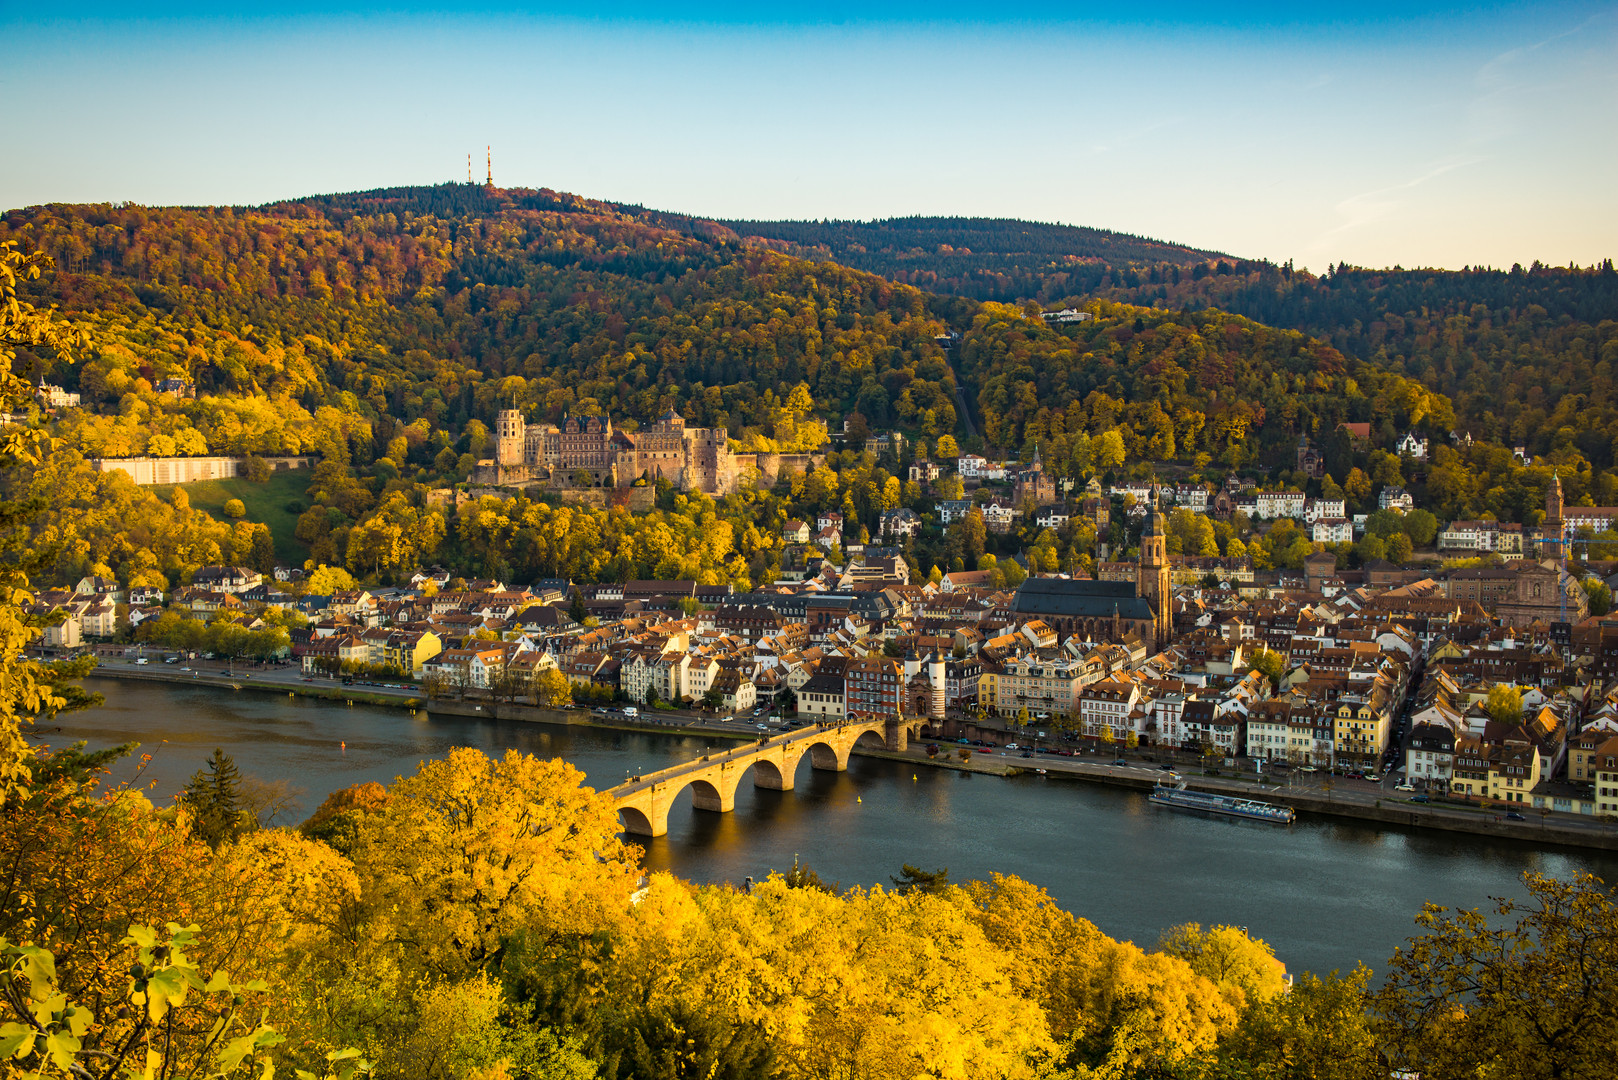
(1326,893)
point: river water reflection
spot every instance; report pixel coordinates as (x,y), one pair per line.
(1325,893)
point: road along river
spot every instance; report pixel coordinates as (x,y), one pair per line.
(1326,893)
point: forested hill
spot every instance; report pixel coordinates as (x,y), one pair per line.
(382,330)
(434,303)
(1528,356)
(980,258)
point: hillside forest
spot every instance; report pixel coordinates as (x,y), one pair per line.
(380,332)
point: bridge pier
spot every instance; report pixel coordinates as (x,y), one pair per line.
(706,796)
(897,735)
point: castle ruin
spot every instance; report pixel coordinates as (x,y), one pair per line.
(692,459)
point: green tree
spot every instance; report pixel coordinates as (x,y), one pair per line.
(1598,594)
(1319,1030)
(914,879)
(1270,664)
(1421,526)
(214,799)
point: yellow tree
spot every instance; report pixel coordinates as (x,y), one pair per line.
(1103,997)
(27,689)
(1109,450)
(471,850)
(1243,966)
(552,690)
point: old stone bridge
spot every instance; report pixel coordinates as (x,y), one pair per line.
(644,801)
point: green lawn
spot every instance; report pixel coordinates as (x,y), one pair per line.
(266,502)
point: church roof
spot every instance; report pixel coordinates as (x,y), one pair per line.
(1079,599)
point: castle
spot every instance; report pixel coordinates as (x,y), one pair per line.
(590,451)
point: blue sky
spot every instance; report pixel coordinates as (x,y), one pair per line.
(1397,134)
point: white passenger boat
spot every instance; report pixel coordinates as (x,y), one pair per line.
(1179,797)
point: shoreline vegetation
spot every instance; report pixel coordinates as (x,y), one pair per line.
(1390,813)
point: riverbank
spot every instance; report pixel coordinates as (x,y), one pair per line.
(1379,810)
(1371,807)
(409,699)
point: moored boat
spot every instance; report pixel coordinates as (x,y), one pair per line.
(1180,797)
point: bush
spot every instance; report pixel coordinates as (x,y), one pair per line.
(235,508)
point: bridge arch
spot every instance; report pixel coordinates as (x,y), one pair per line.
(773,775)
(826,756)
(706,795)
(636,823)
(871,740)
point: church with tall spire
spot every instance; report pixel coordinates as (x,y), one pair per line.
(1101,611)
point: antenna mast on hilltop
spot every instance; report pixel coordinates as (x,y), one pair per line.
(490,181)
(469,167)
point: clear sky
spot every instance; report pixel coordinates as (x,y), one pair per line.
(1381,134)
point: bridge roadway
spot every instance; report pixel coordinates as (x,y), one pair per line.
(644,801)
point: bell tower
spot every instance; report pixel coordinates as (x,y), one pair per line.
(1152,572)
(1551,531)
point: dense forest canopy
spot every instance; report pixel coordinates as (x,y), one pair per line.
(1526,355)
(980,258)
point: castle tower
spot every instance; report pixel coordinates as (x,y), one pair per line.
(510,433)
(1152,572)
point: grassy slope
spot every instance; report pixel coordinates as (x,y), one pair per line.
(266,502)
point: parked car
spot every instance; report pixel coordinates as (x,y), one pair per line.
(1512,815)
(1166,768)
(1423,797)
(1404,787)
(1120,761)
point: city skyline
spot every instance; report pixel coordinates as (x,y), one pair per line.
(1431,138)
